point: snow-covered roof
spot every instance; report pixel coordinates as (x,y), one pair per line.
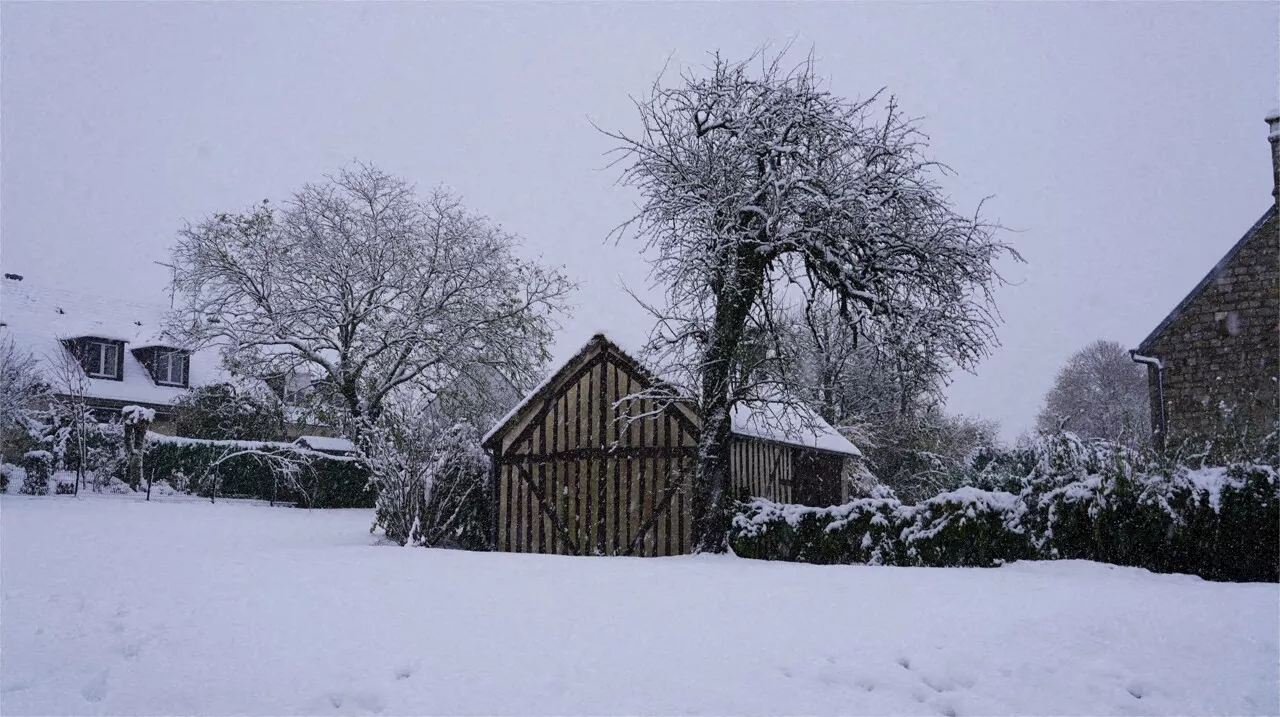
(790,423)
(38,317)
(327,443)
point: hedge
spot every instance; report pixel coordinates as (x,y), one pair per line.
(1221,523)
(326,481)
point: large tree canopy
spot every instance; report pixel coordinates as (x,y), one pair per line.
(362,283)
(763,188)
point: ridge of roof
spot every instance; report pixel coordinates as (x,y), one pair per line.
(1213,273)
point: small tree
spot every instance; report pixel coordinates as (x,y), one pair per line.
(136,420)
(1100,393)
(764,190)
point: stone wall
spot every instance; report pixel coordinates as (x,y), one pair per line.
(1221,353)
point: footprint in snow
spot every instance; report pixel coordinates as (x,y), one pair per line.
(16,686)
(96,689)
(905,662)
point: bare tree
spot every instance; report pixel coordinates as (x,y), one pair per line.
(69,411)
(764,188)
(373,289)
(1100,393)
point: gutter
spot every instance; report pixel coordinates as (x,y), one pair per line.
(1158,365)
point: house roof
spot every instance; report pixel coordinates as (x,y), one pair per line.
(1213,274)
(790,423)
(38,317)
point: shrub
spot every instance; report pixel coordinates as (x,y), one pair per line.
(9,472)
(39,467)
(968,528)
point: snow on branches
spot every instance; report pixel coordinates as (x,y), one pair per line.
(763,189)
(362,283)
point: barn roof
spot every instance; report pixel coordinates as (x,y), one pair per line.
(38,317)
(790,423)
(1213,274)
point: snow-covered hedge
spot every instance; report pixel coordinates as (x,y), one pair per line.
(238,469)
(966,527)
(1076,500)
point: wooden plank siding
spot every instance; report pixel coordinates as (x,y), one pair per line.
(591,466)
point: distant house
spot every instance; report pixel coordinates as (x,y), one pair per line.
(115,352)
(119,347)
(590,463)
(1214,361)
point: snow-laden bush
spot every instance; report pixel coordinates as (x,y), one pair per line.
(9,473)
(39,467)
(968,527)
(431,484)
(1075,499)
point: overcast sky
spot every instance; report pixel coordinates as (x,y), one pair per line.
(1124,142)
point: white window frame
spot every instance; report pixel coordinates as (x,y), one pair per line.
(96,354)
(165,364)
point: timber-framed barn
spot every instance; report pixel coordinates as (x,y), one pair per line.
(595,462)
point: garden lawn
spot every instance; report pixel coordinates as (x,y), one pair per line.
(112,605)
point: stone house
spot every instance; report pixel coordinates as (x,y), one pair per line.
(1213,362)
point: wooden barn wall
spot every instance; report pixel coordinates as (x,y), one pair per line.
(597,473)
(761,468)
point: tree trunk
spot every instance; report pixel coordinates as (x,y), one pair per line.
(711,483)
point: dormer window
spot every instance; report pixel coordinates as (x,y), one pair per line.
(167,366)
(171,368)
(100,358)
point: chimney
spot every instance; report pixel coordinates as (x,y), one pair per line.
(1273,134)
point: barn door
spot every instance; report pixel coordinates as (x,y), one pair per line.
(817,478)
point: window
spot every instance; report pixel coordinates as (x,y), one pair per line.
(101,359)
(171,368)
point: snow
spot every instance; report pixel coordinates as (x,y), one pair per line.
(326,443)
(36,317)
(176,606)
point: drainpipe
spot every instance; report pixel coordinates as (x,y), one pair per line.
(1156,363)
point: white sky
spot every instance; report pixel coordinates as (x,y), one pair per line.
(1124,142)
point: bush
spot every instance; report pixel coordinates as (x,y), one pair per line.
(39,467)
(966,527)
(9,472)
(1078,499)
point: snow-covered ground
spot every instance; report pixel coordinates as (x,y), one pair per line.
(116,606)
